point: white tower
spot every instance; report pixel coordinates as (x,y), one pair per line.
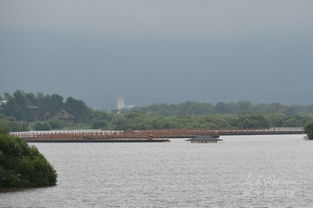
(120,103)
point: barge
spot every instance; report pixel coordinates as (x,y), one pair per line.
(205,139)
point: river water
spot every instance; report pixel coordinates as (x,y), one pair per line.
(241,171)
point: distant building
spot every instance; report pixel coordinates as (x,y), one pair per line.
(64,116)
(3,102)
(121,104)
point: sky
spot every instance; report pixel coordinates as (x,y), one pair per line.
(161,51)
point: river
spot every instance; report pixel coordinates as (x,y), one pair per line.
(241,171)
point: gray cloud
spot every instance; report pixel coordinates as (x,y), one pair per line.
(169,18)
(159,51)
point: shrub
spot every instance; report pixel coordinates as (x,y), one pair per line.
(309,130)
(41,125)
(23,166)
(100,124)
(56,124)
(10,124)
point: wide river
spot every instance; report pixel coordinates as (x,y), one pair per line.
(241,171)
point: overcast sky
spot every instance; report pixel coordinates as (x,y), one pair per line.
(161,51)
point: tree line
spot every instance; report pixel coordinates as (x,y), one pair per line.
(199,108)
(38,107)
(23,111)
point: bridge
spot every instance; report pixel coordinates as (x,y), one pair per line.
(142,135)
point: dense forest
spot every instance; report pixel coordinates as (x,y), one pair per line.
(23,111)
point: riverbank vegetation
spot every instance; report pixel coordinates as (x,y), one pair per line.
(308,128)
(22,166)
(23,111)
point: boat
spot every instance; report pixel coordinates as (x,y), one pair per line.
(205,139)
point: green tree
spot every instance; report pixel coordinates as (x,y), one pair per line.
(79,109)
(18,106)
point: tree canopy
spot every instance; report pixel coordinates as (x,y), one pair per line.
(198,108)
(23,166)
(28,111)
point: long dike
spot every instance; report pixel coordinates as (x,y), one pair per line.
(142,135)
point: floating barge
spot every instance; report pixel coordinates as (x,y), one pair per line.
(204,139)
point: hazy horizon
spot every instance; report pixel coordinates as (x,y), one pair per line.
(159,51)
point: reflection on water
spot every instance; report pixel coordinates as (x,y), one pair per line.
(241,171)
